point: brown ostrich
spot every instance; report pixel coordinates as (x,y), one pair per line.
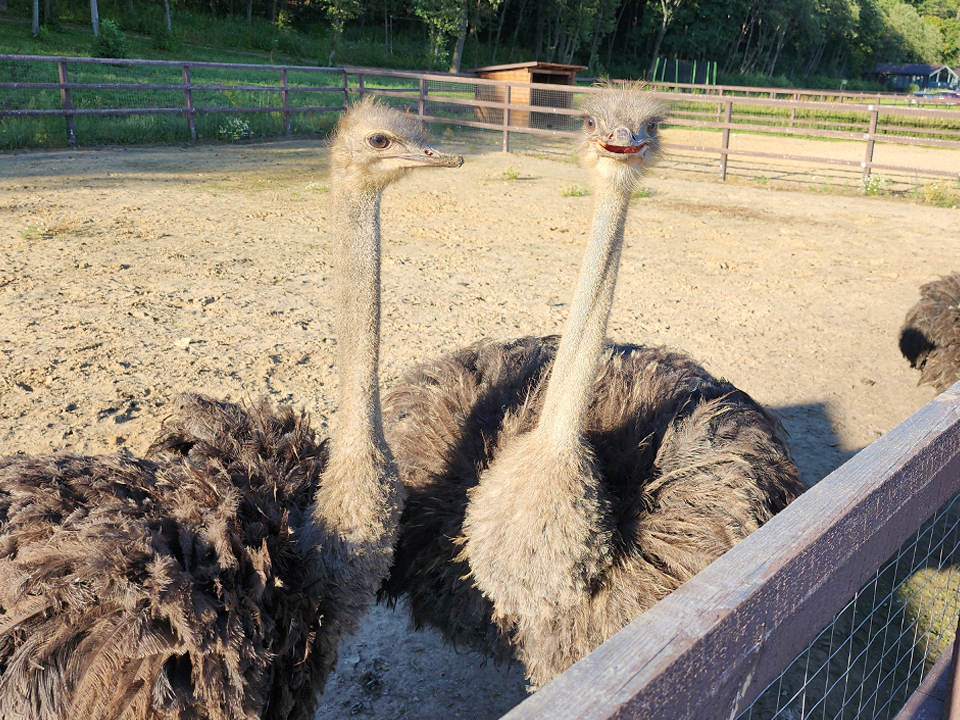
(930,336)
(557,490)
(216,581)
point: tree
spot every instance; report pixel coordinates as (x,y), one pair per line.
(668,9)
(35,24)
(95,17)
(339,12)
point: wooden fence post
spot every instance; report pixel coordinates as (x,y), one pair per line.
(360,90)
(67,102)
(285,93)
(874,112)
(188,99)
(725,143)
(951,703)
(346,90)
(423,97)
(506,120)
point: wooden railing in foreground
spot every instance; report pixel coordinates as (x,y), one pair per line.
(710,648)
(468,102)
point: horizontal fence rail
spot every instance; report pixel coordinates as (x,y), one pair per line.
(716,648)
(291,98)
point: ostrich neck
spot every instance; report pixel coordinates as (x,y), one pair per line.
(353,495)
(570,387)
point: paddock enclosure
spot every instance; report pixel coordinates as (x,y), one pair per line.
(129,274)
(845,137)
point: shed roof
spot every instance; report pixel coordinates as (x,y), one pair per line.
(533,65)
(908,69)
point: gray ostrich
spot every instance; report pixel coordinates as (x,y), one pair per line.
(930,336)
(216,579)
(557,490)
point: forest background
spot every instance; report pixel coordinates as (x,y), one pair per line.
(782,43)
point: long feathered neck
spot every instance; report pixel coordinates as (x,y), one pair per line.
(359,484)
(570,387)
(536,528)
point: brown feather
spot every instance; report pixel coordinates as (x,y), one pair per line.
(930,336)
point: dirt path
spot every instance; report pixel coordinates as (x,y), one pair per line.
(128,275)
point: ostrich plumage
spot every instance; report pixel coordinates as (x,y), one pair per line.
(556,488)
(214,579)
(930,336)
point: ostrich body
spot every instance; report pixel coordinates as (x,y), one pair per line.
(930,336)
(215,579)
(557,490)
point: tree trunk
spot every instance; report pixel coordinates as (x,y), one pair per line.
(461,39)
(94,17)
(213,8)
(130,7)
(661,31)
(496,43)
(592,60)
(48,12)
(539,48)
(516,29)
(35,23)
(249,12)
(3,5)
(166,15)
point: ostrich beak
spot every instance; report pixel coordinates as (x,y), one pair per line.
(622,141)
(428,157)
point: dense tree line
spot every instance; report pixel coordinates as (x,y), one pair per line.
(789,38)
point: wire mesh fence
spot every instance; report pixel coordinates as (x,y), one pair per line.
(866,663)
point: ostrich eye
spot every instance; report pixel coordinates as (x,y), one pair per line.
(589,123)
(652,127)
(379,142)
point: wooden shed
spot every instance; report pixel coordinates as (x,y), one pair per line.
(528,72)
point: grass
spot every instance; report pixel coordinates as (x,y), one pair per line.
(574,190)
(511,173)
(940,194)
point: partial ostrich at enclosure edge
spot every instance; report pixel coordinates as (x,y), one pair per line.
(930,336)
(216,579)
(558,489)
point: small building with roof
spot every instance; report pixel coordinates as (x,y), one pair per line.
(898,76)
(528,72)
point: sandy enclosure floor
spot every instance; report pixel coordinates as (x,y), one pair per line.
(130,274)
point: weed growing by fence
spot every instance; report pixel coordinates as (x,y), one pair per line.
(940,194)
(875,185)
(233,129)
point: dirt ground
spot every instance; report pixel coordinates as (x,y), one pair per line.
(130,274)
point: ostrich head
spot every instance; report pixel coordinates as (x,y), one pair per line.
(621,133)
(376,145)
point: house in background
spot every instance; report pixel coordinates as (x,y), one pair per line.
(529,72)
(898,76)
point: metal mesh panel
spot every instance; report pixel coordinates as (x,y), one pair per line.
(877,650)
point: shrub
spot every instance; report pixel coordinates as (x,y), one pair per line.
(111,43)
(233,129)
(940,194)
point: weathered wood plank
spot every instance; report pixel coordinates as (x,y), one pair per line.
(710,648)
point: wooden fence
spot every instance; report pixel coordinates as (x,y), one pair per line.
(709,649)
(486,105)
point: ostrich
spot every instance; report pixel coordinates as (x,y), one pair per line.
(215,579)
(558,489)
(930,336)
